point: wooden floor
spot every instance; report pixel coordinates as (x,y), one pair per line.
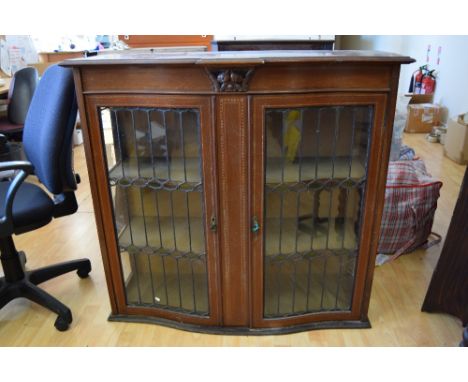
(398,291)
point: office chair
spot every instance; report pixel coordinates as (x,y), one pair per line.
(25,206)
(21,91)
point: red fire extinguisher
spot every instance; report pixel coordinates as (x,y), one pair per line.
(428,83)
(416,80)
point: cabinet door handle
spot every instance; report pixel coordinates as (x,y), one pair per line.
(255,226)
(213,224)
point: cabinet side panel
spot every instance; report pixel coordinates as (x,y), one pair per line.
(232,161)
(90,148)
(380,156)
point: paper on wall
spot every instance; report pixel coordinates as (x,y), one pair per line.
(26,47)
(16,52)
(17,61)
(4,58)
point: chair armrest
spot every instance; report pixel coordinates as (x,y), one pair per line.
(23,165)
(25,168)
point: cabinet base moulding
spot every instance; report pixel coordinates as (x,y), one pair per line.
(239,331)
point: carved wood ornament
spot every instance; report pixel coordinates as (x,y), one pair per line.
(231,80)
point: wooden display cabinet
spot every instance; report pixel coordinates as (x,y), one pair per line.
(239,192)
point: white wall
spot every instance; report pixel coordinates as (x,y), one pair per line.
(452,79)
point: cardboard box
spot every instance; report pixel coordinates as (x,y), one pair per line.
(456,141)
(422,117)
(420,98)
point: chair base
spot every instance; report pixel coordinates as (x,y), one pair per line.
(27,287)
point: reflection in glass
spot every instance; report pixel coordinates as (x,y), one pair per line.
(315,176)
(154,162)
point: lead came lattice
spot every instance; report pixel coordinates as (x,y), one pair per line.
(156,182)
(315,176)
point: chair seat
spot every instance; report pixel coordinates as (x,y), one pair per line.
(32,207)
(6,127)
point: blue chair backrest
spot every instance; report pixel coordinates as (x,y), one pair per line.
(48,130)
(22,90)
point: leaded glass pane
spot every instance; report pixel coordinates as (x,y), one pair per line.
(315,176)
(154,162)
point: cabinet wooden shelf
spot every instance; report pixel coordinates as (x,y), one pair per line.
(239,192)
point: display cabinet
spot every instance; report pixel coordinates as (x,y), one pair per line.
(239,192)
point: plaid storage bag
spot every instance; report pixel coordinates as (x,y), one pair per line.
(410,203)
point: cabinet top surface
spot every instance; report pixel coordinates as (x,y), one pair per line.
(239,58)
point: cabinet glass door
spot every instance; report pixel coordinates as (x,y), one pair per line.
(314,179)
(314,175)
(157,186)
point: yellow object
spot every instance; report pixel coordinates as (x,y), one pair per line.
(292,138)
(292,116)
